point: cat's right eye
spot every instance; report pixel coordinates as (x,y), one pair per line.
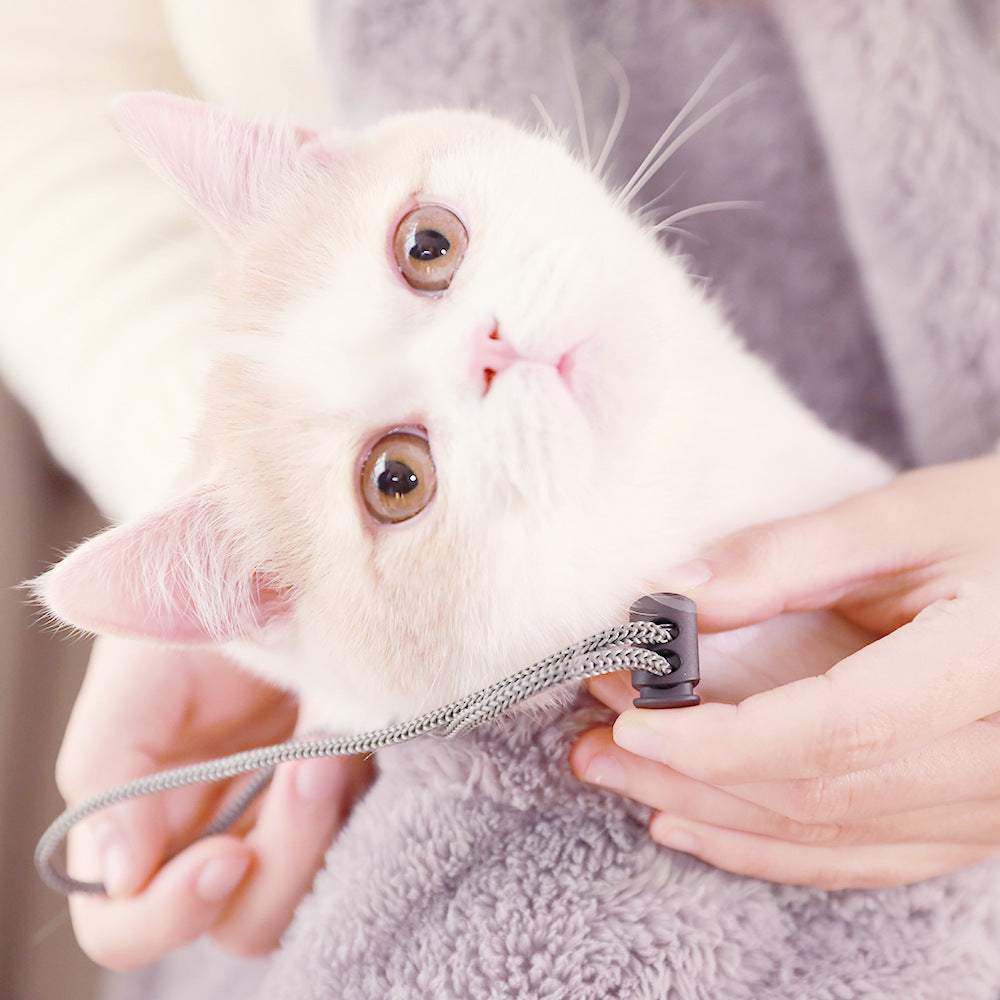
(428,245)
(398,479)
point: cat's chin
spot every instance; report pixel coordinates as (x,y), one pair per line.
(346,720)
(317,715)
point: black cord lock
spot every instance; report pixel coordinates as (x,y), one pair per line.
(674,689)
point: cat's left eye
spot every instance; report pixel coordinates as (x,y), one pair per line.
(429,244)
(398,479)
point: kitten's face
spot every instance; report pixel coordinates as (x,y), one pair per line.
(432,427)
(448,436)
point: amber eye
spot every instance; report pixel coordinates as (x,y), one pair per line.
(429,245)
(397,477)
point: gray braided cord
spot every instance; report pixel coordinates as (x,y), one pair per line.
(618,648)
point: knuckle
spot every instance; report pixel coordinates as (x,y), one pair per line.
(754,548)
(818,801)
(852,742)
(813,834)
(684,799)
(722,772)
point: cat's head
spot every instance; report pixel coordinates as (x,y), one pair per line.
(436,438)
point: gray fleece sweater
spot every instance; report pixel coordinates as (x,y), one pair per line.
(871,137)
(480,869)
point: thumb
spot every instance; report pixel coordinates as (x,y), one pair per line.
(828,558)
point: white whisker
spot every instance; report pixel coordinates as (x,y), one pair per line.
(550,125)
(617,72)
(710,206)
(574,82)
(646,209)
(677,231)
(693,129)
(700,91)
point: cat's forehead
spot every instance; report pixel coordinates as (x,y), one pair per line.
(482,167)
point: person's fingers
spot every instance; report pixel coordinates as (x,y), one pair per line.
(181,902)
(302,811)
(124,708)
(143,709)
(882,702)
(120,847)
(961,767)
(597,760)
(872,550)
(614,690)
(738,664)
(823,866)
(107,742)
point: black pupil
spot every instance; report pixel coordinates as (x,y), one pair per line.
(396,479)
(429,244)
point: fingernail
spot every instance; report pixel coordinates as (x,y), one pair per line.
(631,732)
(319,780)
(688,576)
(116,857)
(220,877)
(665,831)
(606,772)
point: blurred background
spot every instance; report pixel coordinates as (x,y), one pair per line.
(42,512)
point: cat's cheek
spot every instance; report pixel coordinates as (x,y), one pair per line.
(577,368)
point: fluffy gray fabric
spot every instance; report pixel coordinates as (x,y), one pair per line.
(480,868)
(484,870)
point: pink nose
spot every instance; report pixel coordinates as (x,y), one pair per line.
(492,357)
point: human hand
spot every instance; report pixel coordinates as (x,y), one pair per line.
(884,769)
(142,709)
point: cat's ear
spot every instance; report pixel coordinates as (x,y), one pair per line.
(180,575)
(227,167)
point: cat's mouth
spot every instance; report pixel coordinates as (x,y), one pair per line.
(493,356)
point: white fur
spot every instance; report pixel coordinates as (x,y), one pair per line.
(553,510)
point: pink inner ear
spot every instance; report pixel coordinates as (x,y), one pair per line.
(176,576)
(227,167)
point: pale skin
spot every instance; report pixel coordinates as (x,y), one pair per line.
(143,709)
(881,771)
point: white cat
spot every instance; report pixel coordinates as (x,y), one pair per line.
(464,409)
